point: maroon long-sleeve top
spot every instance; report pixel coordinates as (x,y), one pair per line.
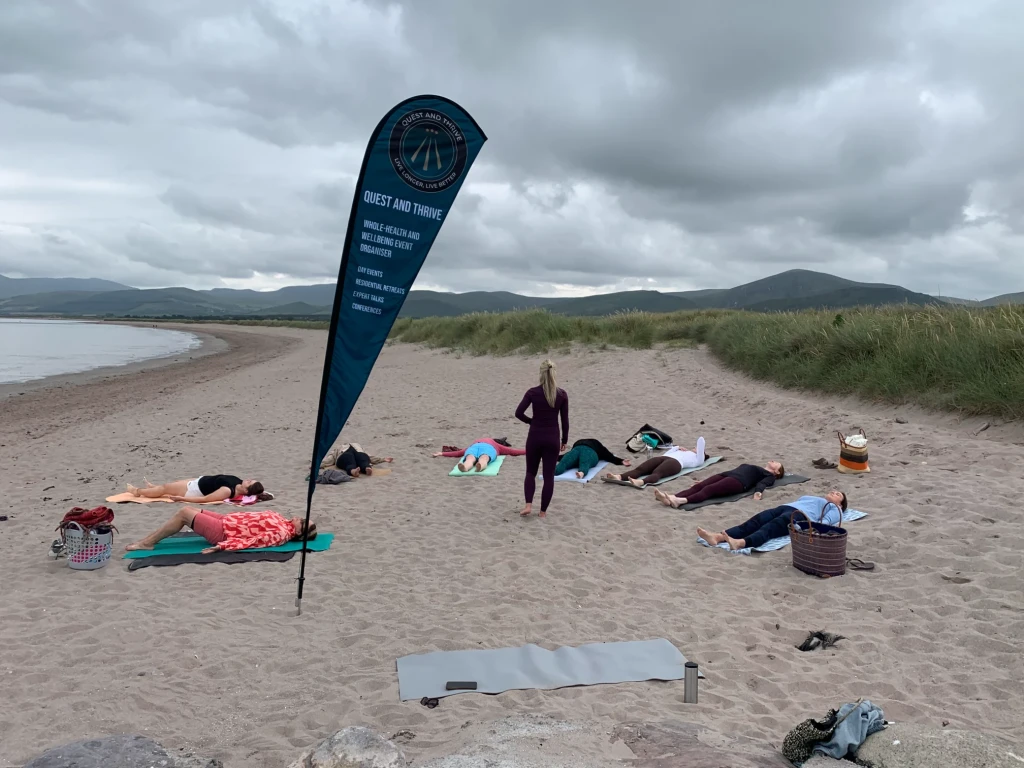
(545,418)
(503,450)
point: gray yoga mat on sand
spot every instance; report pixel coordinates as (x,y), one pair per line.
(532,667)
(785,480)
(707,463)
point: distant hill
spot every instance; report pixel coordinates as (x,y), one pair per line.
(794,285)
(704,293)
(858,296)
(793,290)
(440,304)
(954,300)
(609,303)
(296,309)
(23,286)
(315,295)
(133,302)
(1006,298)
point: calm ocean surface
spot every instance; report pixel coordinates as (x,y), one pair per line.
(34,349)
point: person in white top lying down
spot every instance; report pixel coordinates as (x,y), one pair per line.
(658,468)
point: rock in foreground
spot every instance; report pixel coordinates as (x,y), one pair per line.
(921,747)
(352,748)
(117,752)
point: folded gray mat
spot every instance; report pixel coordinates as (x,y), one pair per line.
(785,480)
(532,667)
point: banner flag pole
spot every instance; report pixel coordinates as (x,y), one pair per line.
(414,165)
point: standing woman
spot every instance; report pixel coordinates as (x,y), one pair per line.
(542,442)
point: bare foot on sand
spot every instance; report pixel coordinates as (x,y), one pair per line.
(736,543)
(637,481)
(137,546)
(368,471)
(542,513)
(527,511)
(711,538)
(612,476)
(664,498)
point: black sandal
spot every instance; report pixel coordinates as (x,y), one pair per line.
(857,564)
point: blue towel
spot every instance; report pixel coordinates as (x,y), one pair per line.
(852,732)
(783,541)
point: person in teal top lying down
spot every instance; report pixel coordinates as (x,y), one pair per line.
(585,455)
(774,523)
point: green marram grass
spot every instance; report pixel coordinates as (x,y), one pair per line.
(969,360)
(964,359)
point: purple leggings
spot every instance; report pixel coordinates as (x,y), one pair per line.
(541,448)
(714,487)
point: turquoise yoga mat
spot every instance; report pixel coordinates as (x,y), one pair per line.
(191,545)
(491,471)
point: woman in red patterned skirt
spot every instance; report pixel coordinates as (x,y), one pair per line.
(235,530)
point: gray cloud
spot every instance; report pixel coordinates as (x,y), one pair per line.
(664,145)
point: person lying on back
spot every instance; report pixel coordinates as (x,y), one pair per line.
(585,455)
(203,489)
(731,483)
(774,523)
(233,531)
(481,453)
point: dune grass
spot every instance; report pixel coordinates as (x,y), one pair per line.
(969,360)
(964,359)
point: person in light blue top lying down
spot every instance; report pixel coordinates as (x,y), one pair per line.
(774,523)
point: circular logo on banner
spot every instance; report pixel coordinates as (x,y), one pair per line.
(428,150)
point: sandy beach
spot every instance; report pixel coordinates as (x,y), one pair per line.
(212,659)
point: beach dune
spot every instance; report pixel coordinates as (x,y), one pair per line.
(212,659)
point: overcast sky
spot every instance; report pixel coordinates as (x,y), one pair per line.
(668,144)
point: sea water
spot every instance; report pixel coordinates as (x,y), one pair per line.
(35,349)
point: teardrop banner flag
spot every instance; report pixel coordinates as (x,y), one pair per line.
(417,158)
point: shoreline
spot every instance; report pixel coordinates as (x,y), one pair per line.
(90,395)
(209,344)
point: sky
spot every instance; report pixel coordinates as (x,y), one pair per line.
(667,145)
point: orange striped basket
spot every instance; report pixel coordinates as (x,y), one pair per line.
(853,459)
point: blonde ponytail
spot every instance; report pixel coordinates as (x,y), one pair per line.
(547,382)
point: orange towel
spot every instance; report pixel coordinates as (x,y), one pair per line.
(121,498)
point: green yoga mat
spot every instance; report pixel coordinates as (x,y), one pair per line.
(491,471)
(688,470)
(190,545)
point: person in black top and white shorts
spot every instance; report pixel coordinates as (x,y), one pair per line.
(203,489)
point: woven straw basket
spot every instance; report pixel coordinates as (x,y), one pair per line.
(853,460)
(820,550)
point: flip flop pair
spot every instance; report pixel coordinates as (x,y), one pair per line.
(857,564)
(824,463)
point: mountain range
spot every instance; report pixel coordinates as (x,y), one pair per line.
(793,290)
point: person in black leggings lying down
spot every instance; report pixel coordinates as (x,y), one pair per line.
(739,480)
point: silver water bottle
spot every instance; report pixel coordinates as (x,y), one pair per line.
(690,683)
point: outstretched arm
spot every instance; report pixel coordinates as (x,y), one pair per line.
(504,450)
(457,454)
